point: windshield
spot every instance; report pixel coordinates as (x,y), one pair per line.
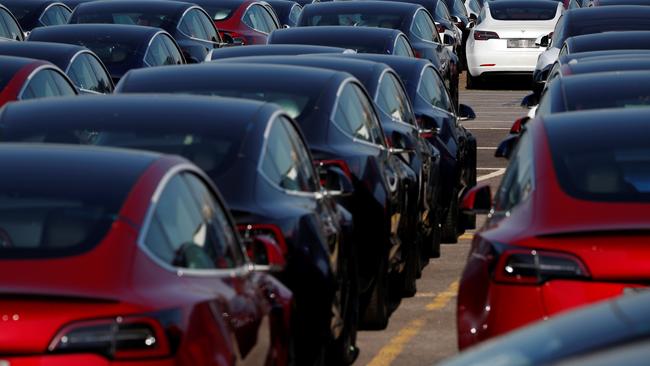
(360,19)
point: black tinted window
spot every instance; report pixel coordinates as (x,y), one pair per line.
(626,91)
(402,47)
(424,27)
(517,183)
(392,100)
(8,27)
(360,19)
(355,116)
(158,54)
(47,83)
(537,11)
(105,84)
(55,15)
(82,74)
(433,90)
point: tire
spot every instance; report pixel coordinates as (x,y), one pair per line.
(377,311)
(450,225)
(405,284)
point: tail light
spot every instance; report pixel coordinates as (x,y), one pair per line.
(441,28)
(485,35)
(426,135)
(518,125)
(533,267)
(417,54)
(270,230)
(117,338)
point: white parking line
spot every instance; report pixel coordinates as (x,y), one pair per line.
(488,128)
(486,148)
(491,175)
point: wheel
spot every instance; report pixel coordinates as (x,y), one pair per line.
(376,311)
(450,225)
(472,82)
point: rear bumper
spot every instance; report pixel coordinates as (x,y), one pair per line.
(80,360)
(494,56)
(511,306)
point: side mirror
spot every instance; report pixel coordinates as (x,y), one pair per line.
(465,113)
(518,125)
(335,181)
(473,17)
(506,147)
(230,42)
(530,100)
(448,40)
(471,24)
(265,253)
(477,200)
(455,19)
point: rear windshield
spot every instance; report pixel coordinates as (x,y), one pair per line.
(390,21)
(626,91)
(112,52)
(601,165)
(51,209)
(538,11)
(220,11)
(130,18)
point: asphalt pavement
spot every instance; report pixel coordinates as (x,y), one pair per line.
(422,331)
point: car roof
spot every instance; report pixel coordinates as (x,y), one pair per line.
(90,32)
(602,54)
(273,49)
(520,3)
(164,6)
(59,54)
(619,12)
(158,111)
(626,2)
(408,69)
(7,62)
(609,64)
(367,7)
(609,40)
(334,35)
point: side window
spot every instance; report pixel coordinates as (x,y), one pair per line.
(442,12)
(259,19)
(354,115)
(268,16)
(285,161)
(544,106)
(8,27)
(191,26)
(573,4)
(558,33)
(158,54)
(104,82)
(402,47)
(47,83)
(424,28)
(83,75)
(392,100)
(208,26)
(517,182)
(183,231)
(55,15)
(563,51)
(459,7)
(294,14)
(176,57)
(433,90)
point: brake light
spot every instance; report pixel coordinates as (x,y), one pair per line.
(270,230)
(485,35)
(531,266)
(518,125)
(118,338)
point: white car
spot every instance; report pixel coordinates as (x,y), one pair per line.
(507,35)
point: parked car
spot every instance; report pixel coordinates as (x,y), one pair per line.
(612,332)
(413,20)
(190,26)
(26,78)
(342,129)
(420,164)
(287,11)
(242,22)
(581,21)
(81,65)
(118,272)
(521,269)
(275,50)
(505,39)
(615,2)
(606,41)
(11,29)
(38,13)
(120,47)
(434,109)
(461,19)
(601,64)
(359,39)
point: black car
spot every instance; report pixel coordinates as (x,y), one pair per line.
(120,47)
(434,108)
(11,29)
(341,127)
(275,50)
(360,39)
(257,157)
(580,92)
(191,27)
(460,17)
(413,20)
(288,11)
(624,62)
(616,2)
(38,13)
(419,227)
(82,66)
(629,40)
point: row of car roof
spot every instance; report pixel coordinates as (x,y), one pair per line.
(342,173)
(567,227)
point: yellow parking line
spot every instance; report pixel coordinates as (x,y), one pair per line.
(466,236)
(394,348)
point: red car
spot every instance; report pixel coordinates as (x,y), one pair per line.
(245,22)
(568,225)
(117,257)
(25,78)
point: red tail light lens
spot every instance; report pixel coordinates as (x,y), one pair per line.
(116,338)
(518,125)
(485,35)
(530,266)
(270,230)
(441,28)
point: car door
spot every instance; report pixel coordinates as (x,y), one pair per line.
(46,82)
(89,75)
(9,27)
(190,232)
